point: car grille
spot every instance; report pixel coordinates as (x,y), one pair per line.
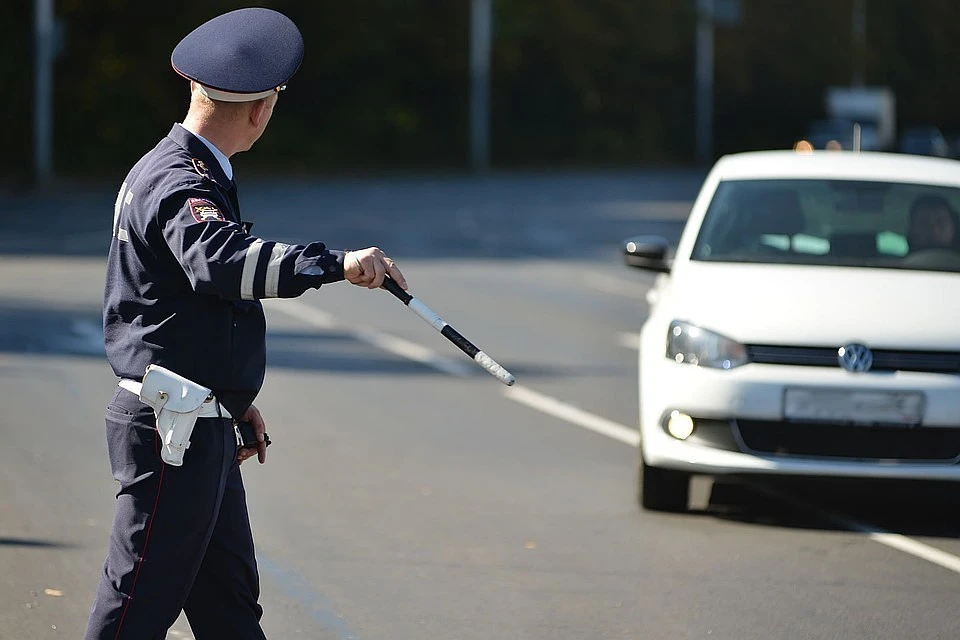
(819,440)
(883,359)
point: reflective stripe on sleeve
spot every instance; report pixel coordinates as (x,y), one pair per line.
(272,284)
(250,270)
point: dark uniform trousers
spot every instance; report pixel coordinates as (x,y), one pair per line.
(181,536)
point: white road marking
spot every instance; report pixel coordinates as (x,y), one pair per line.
(412,351)
(915,548)
(617,286)
(629,340)
(386,342)
(609,428)
(304,312)
(896,541)
(573,415)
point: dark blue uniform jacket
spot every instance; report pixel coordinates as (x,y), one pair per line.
(185,277)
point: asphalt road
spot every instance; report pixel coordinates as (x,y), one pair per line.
(408,494)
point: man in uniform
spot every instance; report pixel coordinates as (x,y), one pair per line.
(183,287)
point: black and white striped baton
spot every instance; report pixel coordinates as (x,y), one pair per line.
(449,332)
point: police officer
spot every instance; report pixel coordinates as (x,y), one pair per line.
(183,287)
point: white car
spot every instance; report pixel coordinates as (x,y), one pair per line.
(808,323)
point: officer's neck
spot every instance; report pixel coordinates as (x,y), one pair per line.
(224,136)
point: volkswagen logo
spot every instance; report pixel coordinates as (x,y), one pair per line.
(855,357)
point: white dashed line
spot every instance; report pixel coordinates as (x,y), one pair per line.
(306,313)
(616,286)
(413,351)
(569,413)
(914,548)
(896,541)
(629,340)
(386,342)
(573,415)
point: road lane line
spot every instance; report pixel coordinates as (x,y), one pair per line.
(621,433)
(629,340)
(389,343)
(617,286)
(304,312)
(569,413)
(602,426)
(896,541)
(915,548)
(412,351)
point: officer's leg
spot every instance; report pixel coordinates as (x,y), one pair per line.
(164,518)
(223,601)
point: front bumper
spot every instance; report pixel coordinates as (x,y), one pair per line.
(742,429)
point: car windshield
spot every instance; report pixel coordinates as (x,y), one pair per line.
(832,222)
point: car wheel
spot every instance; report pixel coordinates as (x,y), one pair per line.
(662,489)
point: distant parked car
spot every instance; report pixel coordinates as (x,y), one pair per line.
(821,133)
(924,141)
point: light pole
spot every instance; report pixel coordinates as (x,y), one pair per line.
(43,90)
(859,36)
(704,81)
(481,28)
(710,14)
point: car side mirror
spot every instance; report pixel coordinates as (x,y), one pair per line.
(647,252)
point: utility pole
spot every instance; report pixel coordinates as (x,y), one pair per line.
(859,38)
(704,81)
(710,14)
(481,28)
(44,51)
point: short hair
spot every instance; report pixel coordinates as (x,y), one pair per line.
(209,106)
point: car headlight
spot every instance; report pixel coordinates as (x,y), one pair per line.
(690,344)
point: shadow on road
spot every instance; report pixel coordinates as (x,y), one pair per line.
(342,351)
(913,508)
(35,543)
(27,327)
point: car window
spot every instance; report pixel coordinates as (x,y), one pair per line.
(832,222)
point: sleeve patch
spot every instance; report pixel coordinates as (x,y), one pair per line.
(205,211)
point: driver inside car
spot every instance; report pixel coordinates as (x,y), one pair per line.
(933,224)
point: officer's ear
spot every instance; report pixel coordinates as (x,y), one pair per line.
(260,112)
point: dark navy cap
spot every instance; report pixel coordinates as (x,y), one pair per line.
(242,55)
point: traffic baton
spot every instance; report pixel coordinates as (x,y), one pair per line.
(448,332)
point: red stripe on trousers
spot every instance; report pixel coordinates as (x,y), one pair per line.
(146,541)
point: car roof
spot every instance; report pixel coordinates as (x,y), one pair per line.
(842,165)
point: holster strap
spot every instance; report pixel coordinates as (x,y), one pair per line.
(207,410)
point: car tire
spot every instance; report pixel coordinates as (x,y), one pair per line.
(660,489)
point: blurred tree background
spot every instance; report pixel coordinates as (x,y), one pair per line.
(384,84)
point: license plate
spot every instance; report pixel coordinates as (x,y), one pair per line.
(859,407)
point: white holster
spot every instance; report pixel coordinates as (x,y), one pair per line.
(177,403)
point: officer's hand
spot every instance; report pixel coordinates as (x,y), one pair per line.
(252,415)
(367,267)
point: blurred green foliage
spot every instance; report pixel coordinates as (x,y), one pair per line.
(384,84)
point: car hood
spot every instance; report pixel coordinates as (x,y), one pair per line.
(817,305)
